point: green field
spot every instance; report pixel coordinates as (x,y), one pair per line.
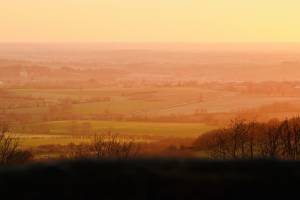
(60,131)
(129,128)
(35,142)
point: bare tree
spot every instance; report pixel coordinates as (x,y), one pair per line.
(295,128)
(110,145)
(250,140)
(80,151)
(10,152)
(290,138)
(238,133)
(214,143)
(269,140)
(106,146)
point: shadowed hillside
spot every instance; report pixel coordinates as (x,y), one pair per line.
(159,179)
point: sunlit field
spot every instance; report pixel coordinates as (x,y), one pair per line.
(147,114)
(163,99)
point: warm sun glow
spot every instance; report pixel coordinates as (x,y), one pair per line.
(150,20)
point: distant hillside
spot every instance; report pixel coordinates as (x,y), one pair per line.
(205,63)
(28,72)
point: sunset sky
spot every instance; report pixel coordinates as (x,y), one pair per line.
(150,21)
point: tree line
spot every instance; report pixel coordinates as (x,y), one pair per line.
(104,146)
(253,140)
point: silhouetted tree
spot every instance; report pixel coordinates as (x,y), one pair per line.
(269,140)
(106,146)
(10,153)
(250,140)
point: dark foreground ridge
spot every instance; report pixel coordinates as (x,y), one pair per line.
(152,179)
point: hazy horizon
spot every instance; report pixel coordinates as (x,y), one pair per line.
(170,46)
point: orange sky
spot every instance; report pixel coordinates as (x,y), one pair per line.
(150,20)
